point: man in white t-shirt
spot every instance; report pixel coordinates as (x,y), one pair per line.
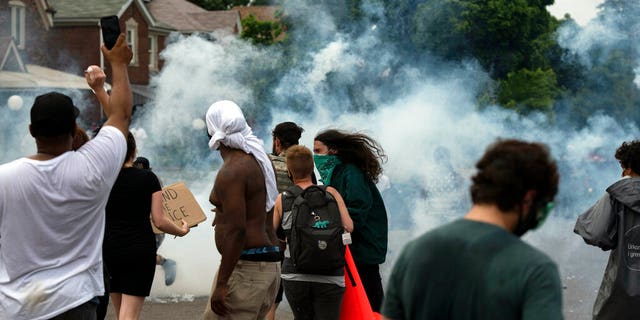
(52,206)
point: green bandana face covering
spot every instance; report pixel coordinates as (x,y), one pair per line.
(325,165)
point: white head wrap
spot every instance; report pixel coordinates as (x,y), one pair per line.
(226,124)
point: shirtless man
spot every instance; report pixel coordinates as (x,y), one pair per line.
(243,195)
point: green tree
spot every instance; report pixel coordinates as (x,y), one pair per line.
(607,83)
(514,40)
(528,90)
(260,32)
(503,35)
(436,29)
(609,88)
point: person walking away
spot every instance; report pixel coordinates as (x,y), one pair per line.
(129,242)
(352,164)
(168,265)
(612,224)
(285,135)
(243,194)
(477,267)
(311,296)
(52,206)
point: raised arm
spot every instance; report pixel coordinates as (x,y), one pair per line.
(161,221)
(118,109)
(95,79)
(347,223)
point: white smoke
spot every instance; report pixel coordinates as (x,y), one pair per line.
(581,40)
(333,58)
(436,112)
(431,129)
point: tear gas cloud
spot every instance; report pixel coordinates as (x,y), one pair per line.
(15,107)
(424,115)
(431,130)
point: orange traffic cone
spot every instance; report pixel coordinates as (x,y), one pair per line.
(355,304)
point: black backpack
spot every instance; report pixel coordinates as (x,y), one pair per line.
(315,237)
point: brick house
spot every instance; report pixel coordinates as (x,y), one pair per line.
(66,35)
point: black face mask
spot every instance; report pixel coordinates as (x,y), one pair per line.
(525,224)
(537,214)
(273,146)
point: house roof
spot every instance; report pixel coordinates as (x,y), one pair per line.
(262,13)
(215,20)
(41,77)
(187,17)
(73,12)
(86,8)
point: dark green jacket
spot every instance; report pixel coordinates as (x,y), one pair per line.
(367,211)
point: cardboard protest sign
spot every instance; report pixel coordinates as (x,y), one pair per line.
(178,203)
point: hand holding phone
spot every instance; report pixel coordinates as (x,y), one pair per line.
(110,26)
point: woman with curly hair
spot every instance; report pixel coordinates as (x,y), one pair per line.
(352,164)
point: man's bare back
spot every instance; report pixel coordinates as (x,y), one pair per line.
(247,280)
(239,197)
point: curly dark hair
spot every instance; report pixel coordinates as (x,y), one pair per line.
(628,154)
(509,168)
(357,149)
(288,133)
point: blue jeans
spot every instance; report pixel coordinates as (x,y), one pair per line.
(313,300)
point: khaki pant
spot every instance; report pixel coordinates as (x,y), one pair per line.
(252,289)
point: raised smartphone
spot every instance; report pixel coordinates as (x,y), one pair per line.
(110,30)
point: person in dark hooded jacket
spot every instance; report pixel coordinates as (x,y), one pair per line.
(613,223)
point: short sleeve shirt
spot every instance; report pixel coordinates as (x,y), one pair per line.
(51,227)
(472,270)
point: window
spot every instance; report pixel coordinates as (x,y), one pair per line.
(153,52)
(132,39)
(18,22)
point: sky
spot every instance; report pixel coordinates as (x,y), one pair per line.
(581,10)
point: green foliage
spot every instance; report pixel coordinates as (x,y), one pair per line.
(260,32)
(509,38)
(430,17)
(528,90)
(502,33)
(609,87)
(513,40)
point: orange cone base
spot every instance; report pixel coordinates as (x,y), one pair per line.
(355,304)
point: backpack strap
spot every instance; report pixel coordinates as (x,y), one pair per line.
(315,202)
(289,195)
